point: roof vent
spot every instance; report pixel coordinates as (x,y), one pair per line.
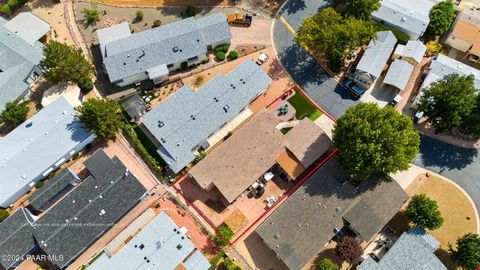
(175,49)
(24,176)
(404,19)
(162,140)
(216,99)
(124,63)
(178,144)
(225,108)
(198,40)
(160,124)
(193,117)
(179,246)
(276,235)
(142,246)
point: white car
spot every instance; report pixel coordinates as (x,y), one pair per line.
(262,58)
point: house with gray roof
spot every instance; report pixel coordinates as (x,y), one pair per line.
(182,123)
(322,206)
(398,74)
(374,59)
(50,192)
(443,65)
(70,226)
(408,16)
(412,52)
(37,147)
(20,55)
(160,245)
(414,250)
(151,54)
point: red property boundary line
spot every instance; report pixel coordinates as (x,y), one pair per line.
(288,193)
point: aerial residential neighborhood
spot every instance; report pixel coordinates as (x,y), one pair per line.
(239,134)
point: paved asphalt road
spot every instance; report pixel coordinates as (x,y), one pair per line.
(458,164)
(306,72)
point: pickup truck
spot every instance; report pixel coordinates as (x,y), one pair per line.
(240,19)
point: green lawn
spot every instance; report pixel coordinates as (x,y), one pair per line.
(304,108)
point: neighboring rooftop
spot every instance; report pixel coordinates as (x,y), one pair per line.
(135,107)
(17,58)
(97,200)
(413,49)
(158,246)
(27,153)
(252,150)
(69,90)
(377,54)
(380,201)
(186,119)
(413,250)
(300,227)
(398,74)
(28,27)
(467,28)
(47,194)
(128,54)
(410,15)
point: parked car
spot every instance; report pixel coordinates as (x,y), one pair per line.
(395,100)
(240,19)
(353,88)
(418,115)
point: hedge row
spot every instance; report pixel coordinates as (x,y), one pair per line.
(143,151)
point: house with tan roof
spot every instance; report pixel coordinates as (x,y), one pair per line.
(465,32)
(257,147)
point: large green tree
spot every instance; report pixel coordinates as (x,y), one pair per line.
(361,9)
(423,211)
(441,16)
(467,252)
(14,113)
(66,63)
(326,264)
(448,102)
(101,117)
(330,33)
(373,140)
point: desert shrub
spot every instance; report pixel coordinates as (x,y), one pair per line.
(233,55)
(156,23)
(220,56)
(139,16)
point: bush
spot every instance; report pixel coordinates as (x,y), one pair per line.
(233,55)
(86,84)
(230,264)
(326,264)
(14,113)
(190,11)
(424,212)
(142,150)
(91,15)
(139,16)
(184,65)
(222,48)
(198,157)
(40,184)
(226,233)
(156,23)
(434,47)
(3,214)
(220,56)
(216,259)
(11,5)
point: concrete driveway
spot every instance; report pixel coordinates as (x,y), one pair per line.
(304,70)
(258,33)
(461,165)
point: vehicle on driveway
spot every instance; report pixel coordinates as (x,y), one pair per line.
(240,19)
(262,58)
(353,88)
(395,100)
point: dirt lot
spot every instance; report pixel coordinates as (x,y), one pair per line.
(456,209)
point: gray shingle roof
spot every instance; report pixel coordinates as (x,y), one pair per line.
(414,250)
(410,15)
(188,118)
(16,238)
(28,27)
(414,49)
(300,227)
(377,54)
(87,212)
(27,151)
(168,44)
(398,74)
(158,242)
(17,59)
(47,194)
(378,204)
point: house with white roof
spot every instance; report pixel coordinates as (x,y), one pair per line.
(150,55)
(21,50)
(444,65)
(408,16)
(412,52)
(374,59)
(39,146)
(182,124)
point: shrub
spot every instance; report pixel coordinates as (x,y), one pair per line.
(326,264)
(424,212)
(233,55)
(216,259)
(348,249)
(156,23)
(10,6)
(230,264)
(222,48)
(198,157)
(142,150)
(14,113)
(91,15)
(434,47)
(3,214)
(184,65)
(139,16)
(220,56)
(190,11)
(226,233)
(40,184)
(85,84)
